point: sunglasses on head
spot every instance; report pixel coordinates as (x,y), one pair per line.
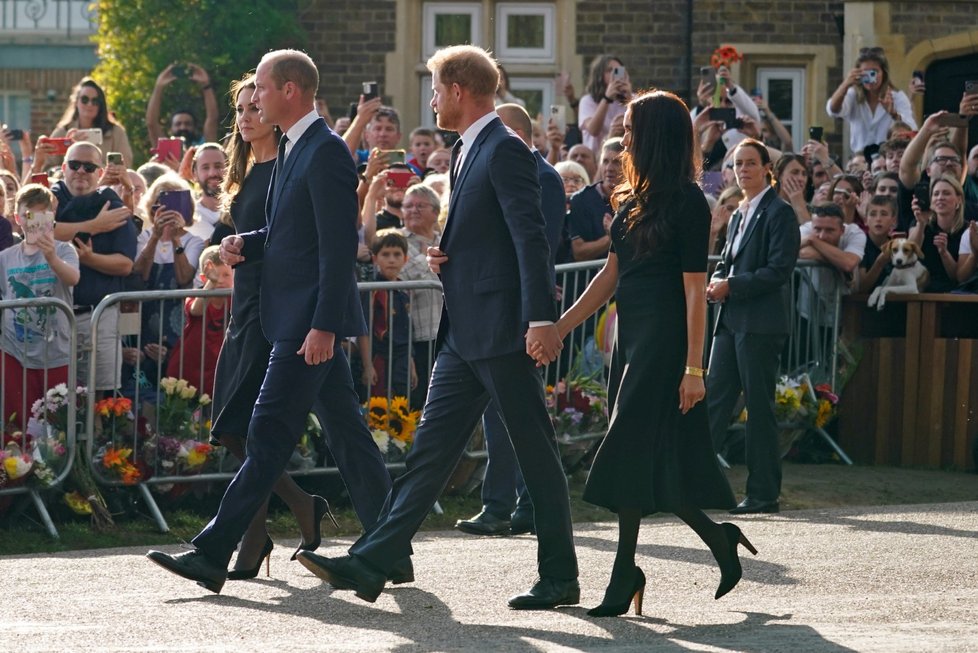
(87,99)
(88,166)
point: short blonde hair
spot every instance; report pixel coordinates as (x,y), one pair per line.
(574,168)
(212,255)
(34,195)
(469,66)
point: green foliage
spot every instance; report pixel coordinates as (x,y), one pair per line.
(137,39)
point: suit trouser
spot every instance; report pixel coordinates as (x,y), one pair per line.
(287,394)
(503,489)
(457,397)
(748,362)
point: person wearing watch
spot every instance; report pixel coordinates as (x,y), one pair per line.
(609,89)
(166,259)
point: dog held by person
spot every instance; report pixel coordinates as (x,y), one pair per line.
(909,276)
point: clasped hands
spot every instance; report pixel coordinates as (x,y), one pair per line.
(543,344)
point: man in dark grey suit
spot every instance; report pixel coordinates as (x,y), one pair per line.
(502,513)
(499,306)
(309,301)
(752,284)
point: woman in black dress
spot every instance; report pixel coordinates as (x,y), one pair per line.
(251,151)
(657,455)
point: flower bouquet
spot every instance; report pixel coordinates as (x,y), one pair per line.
(392,425)
(723,56)
(578,407)
(179,438)
(49,427)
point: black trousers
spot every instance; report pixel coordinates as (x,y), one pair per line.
(457,397)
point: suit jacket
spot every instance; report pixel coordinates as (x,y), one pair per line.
(760,297)
(310,242)
(553,202)
(497,278)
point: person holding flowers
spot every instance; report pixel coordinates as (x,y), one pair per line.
(657,455)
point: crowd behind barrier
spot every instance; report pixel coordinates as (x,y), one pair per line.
(154,435)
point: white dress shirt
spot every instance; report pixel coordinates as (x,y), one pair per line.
(299,128)
(748,215)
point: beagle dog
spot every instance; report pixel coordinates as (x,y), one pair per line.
(909,276)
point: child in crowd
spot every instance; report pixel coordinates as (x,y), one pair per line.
(881,220)
(422,142)
(388,314)
(35,341)
(206,321)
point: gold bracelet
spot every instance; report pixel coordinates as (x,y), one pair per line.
(696,371)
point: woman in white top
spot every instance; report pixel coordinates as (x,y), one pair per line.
(869,101)
(606,97)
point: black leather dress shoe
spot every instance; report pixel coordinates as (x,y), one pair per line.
(484,523)
(522,522)
(752,506)
(403,572)
(193,565)
(548,593)
(346,572)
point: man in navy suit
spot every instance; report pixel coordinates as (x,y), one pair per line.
(493,262)
(308,301)
(502,513)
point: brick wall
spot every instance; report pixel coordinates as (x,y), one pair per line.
(919,21)
(45,113)
(348,39)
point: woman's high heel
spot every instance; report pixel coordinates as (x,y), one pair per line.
(246,574)
(730,569)
(320,509)
(637,593)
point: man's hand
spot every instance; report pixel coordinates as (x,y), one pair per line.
(198,75)
(369,376)
(166,77)
(436,258)
(155,351)
(231,247)
(543,344)
(317,347)
(718,291)
(84,251)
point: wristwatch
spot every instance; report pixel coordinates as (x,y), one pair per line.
(178,250)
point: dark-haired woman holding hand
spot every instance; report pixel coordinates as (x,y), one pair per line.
(657,455)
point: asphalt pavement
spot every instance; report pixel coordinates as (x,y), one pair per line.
(891,579)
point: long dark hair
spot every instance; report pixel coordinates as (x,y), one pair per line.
(236,148)
(596,87)
(661,163)
(103,120)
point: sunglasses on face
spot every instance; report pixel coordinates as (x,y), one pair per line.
(88,166)
(88,99)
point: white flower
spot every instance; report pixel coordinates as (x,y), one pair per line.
(382,439)
(61,389)
(400,444)
(168,384)
(204,399)
(188,392)
(181,385)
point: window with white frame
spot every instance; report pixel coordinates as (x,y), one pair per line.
(426,113)
(451,23)
(525,32)
(784,90)
(536,92)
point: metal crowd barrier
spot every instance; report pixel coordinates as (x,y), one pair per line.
(813,346)
(48,448)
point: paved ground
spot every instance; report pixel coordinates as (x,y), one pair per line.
(877,579)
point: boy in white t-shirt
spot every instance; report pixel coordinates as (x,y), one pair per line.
(35,341)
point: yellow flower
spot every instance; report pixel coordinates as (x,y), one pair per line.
(400,406)
(78,503)
(16,466)
(168,384)
(204,399)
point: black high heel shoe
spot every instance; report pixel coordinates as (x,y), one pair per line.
(247,574)
(730,569)
(613,610)
(320,509)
